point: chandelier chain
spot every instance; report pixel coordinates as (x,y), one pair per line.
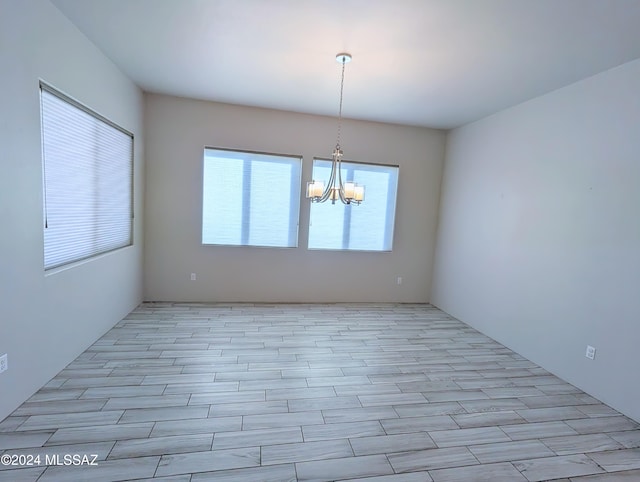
(336,190)
(340,109)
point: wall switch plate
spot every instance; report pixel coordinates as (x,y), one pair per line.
(591,352)
(193,277)
(4,363)
(399,280)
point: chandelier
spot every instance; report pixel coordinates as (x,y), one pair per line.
(347,192)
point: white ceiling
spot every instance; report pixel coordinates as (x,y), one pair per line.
(433,63)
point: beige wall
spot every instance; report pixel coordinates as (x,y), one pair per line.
(176,132)
(47,320)
(539,240)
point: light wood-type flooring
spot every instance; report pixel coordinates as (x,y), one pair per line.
(272,392)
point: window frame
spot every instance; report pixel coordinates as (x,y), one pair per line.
(346,169)
(94,162)
(294,216)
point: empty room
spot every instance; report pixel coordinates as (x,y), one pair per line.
(332,240)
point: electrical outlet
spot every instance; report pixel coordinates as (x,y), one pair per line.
(399,280)
(4,363)
(591,352)
(193,277)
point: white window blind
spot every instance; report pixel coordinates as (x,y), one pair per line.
(250,199)
(88,181)
(367,227)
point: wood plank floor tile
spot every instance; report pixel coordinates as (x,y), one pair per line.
(21,440)
(306,451)
(342,430)
(248,408)
(629,439)
(537,430)
(122,391)
(227,397)
(575,444)
(603,424)
(201,387)
(358,414)
(152,401)
(510,451)
(30,474)
(11,423)
(487,419)
(350,467)
(411,477)
(468,436)
(165,413)
(624,476)
(273,473)
(418,424)
(556,467)
(64,436)
(615,460)
(328,403)
(391,399)
(68,420)
(373,389)
(300,393)
(473,406)
(275,420)
(209,461)
(45,395)
(195,426)
(597,410)
(176,444)
(502,472)
(105,471)
(252,438)
(550,413)
(431,459)
(382,444)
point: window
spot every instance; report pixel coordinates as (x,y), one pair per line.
(87,181)
(250,199)
(367,227)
